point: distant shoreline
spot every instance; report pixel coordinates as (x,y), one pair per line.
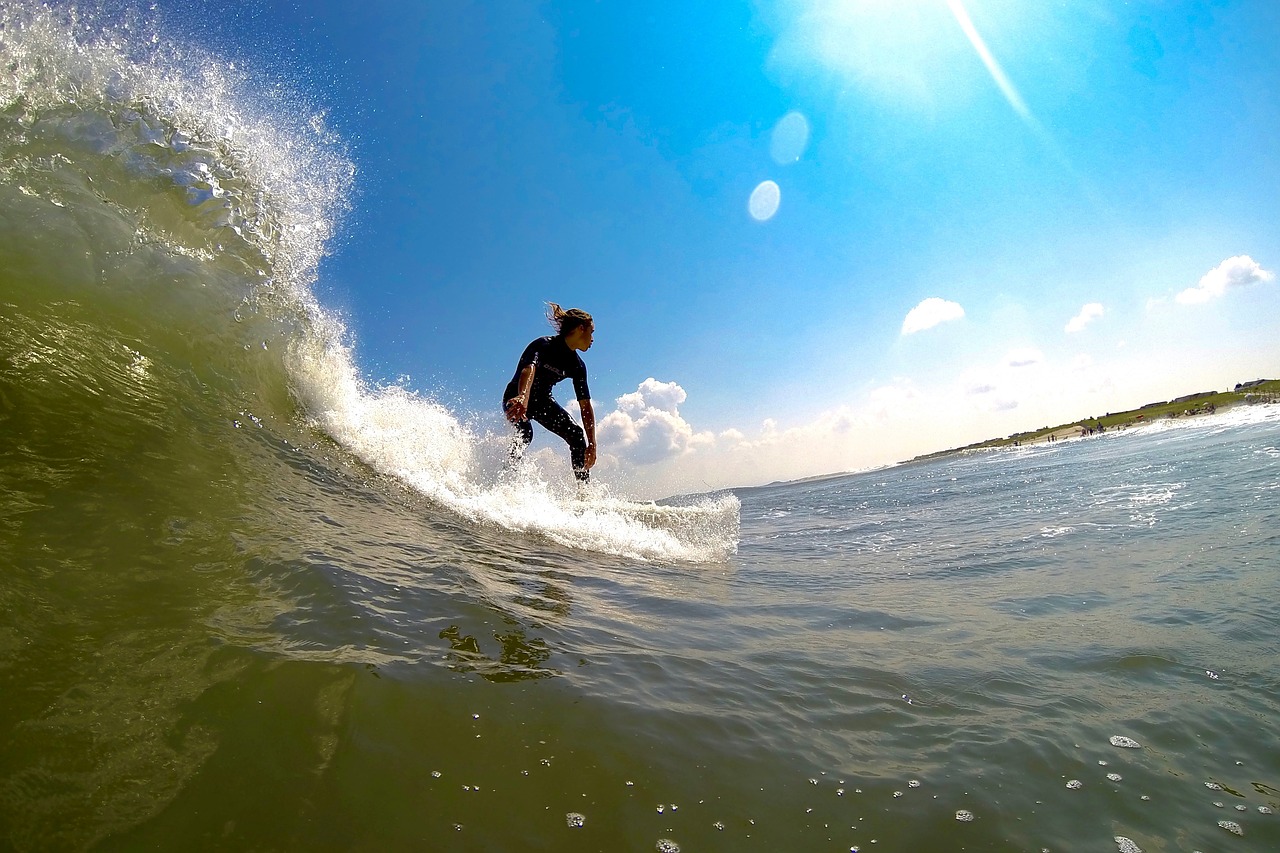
(1201,404)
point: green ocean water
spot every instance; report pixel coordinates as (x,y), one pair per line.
(248,602)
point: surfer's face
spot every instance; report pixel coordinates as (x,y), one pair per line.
(581,337)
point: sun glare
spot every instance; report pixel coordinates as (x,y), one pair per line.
(905,52)
(993,68)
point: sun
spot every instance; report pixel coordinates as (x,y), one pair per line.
(906,52)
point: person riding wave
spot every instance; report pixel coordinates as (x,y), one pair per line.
(545,362)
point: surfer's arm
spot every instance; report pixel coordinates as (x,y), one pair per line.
(589,427)
(518,406)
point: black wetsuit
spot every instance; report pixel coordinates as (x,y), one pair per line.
(553,361)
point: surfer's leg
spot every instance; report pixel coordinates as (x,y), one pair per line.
(552,416)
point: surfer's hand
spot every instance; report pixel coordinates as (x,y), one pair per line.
(590,458)
(516,410)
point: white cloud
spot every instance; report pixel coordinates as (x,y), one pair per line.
(1087,315)
(1024,357)
(1236,272)
(647,426)
(930,313)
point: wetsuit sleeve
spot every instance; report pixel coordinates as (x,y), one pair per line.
(532,354)
(580,389)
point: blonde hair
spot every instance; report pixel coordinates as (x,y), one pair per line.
(566,321)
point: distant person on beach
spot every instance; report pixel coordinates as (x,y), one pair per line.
(545,362)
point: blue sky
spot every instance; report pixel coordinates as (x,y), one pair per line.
(991,215)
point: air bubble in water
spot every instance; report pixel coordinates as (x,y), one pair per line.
(1075,784)
(1213,786)
(1126,845)
(1125,742)
(964,815)
(1114,777)
(1263,810)
(1232,827)
(666,845)
(914,783)
(575,820)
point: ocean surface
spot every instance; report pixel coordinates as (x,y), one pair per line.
(249,601)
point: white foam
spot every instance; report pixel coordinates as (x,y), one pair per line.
(423,444)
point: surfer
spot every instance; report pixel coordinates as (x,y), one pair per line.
(545,362)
